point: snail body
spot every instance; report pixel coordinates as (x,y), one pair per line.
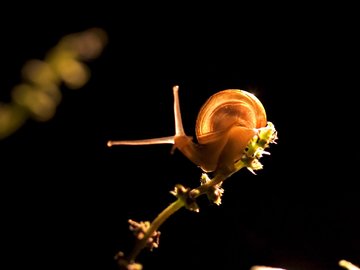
(225,124)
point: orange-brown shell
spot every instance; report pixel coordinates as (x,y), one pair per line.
(226,109)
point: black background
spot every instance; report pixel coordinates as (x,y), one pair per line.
(66,197)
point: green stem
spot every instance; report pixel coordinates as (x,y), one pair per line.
(196,192)
(171,209)
(217,179)
(160,219)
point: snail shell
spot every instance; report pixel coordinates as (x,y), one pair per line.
(228,108)
(225,124)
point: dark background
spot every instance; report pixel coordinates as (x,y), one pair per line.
(66,197)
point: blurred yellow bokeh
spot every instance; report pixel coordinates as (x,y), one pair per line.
(38,95)
(348,265)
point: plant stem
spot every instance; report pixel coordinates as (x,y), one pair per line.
(171,209)
(196,192)
(160,219)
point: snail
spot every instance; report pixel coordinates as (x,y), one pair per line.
(226,123)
